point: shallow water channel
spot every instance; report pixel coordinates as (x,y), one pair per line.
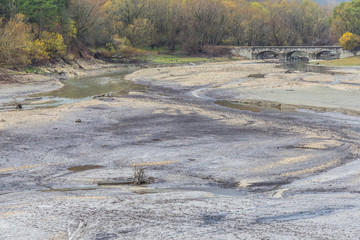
(78,89)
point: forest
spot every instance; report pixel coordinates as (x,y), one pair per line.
(35,31)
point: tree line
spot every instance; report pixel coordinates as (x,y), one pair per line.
(38,30)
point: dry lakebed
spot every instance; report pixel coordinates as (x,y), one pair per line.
(233,150)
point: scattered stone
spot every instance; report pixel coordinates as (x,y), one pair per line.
(78,120)
(18,106)
(289,71)
(108,95)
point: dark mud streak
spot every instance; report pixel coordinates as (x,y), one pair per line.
(185,126)
(213,218)
(296,216)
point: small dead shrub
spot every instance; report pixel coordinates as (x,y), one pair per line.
(139,175)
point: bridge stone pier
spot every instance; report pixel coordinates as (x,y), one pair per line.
(286,52)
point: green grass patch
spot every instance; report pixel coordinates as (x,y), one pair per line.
(178,59)
(34,70)
(349,61)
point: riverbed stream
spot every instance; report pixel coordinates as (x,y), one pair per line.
(76,90)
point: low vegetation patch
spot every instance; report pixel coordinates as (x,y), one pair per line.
(127,53)
(35,70)
(349,61)
(257,75)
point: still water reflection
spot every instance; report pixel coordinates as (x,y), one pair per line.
(79,89)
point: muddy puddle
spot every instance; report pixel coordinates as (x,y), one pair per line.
(78,89)
(84,168)
(144,189)
(348,116)
(128,186)
(213,190)
(305,67)
(255,106)
(71,189)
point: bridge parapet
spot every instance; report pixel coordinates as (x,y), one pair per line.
(284,53)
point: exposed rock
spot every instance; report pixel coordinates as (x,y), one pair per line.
(18,106)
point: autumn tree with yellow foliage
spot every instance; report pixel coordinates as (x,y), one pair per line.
(350,41)
(15,41)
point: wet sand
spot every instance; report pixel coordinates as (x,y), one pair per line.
(218,173)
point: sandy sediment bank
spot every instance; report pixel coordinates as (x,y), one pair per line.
(26,84)
(335,90)
(37,117)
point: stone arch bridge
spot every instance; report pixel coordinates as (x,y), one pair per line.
(286,53)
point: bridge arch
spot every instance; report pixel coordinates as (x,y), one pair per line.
(268,54)
(328,54)
(289,55)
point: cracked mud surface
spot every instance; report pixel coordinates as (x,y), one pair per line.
(219,173)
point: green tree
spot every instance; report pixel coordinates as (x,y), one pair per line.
(8,8)
(277,17)
(346,18)
(45,13)
(128,10)
(141,33)
(255,24)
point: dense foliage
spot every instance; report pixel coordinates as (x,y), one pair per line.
(345,24)
(51,28)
